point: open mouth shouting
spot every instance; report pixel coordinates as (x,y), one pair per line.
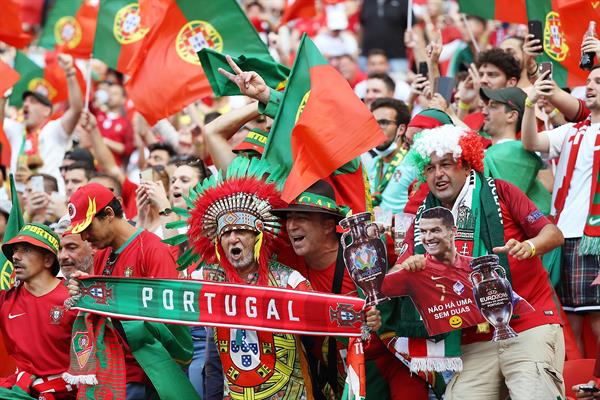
(235,252)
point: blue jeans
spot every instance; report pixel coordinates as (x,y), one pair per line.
(139,391)
(198,359)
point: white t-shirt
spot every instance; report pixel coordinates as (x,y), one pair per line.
(53,143)
(577,205)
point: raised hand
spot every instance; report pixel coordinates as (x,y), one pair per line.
(250,83)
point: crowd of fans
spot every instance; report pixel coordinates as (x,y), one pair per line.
(450,72)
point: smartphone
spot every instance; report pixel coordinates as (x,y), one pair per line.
(445,86)
(36,183)
(147,175)
(546,66)
(589,388)
(535,29)
(423,69)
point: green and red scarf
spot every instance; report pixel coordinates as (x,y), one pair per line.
(203,303)
(480,229)
(590,242)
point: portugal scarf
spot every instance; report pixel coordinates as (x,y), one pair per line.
(203,303)
(479,219)
(590,242)
(384,177)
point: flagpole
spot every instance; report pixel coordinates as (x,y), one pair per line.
(475,44)
(409,15)
(88,86)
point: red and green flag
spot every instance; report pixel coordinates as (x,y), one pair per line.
(321,124)
(49,80)
(8,78)
(564,24)
(11,25)
(502,10)
(13,226)
(171,66)
(70,27)
(119,34)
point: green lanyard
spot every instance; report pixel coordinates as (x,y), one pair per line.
(384,177)
(112,259)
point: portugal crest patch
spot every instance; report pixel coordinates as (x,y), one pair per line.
(127,26)
(83,348)
(193,37)
(344,315)
(555,43)
(67,31)
(40,85)
(56,314)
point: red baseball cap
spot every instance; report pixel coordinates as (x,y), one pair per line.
(85,203)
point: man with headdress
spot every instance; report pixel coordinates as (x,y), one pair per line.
(491,215)
(232,228)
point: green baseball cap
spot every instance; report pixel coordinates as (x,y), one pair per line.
(38,235)
(254,141)
(513,97)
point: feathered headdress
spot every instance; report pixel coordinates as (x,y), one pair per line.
(240,199)
(464,145)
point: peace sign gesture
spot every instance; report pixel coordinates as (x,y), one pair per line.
(250,83)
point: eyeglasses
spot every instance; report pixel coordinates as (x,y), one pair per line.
(385,122)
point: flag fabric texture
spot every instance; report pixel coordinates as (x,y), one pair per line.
(11,25)
(171,65)
(317,130)
(8,77)
(564,24)
(295,9)
(50,80)
(70,27)
(13,226)
(222,304)
(119,34)
(274,74)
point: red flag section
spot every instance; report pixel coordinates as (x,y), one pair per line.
(8,77)
(295,9)
(56,77)
(11,24)
(168,60)
(320,146)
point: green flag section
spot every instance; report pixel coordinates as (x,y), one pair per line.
(50,80)
(171,67)
(564,25)
(274,74)
(501,10)
(320,125)
(70,27)
(119,33)
(13,226)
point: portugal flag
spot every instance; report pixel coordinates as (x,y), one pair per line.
(321,124)
(295,9)
(119,34)
(11,25)
(170,76)
(8,77)
(13,226)
(564,24)
(50,80)
(70,27)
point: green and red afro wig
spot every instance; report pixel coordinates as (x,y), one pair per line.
(464,145)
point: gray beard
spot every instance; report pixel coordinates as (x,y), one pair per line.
(245,262)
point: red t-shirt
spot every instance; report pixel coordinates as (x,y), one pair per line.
(147,257)
(37,330)
(522,221)
(442,294)
(322,280)
(118,129)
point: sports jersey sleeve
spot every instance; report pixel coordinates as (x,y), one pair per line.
(522,210)
(397,284)
(556,137)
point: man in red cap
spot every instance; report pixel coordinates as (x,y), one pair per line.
(122,250)
(34,324)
